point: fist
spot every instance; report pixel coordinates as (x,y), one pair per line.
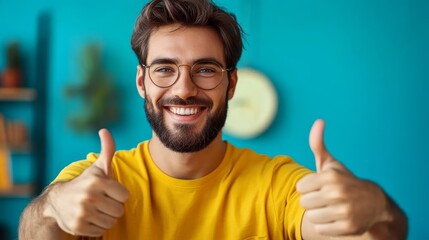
(338,203)
(91,203)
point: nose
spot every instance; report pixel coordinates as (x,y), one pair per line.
(184,86)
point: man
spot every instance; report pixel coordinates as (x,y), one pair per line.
(186,182)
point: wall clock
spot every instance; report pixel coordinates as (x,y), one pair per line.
(253,107)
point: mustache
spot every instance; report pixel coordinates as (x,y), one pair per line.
(180,101)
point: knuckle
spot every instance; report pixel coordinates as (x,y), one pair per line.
(350,227)
(107,222)
(333,175)
(312,216)
(335,193)
(77,227)
(353,227)
(347,210)
(321,230)
(93,182)
(299,187)
(81,215)
(93,232)
(121,211)
(112,222)
(341,192)
(88,200)
(124,195)
(305,202)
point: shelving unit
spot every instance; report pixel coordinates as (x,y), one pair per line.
(27,104)
(24,149)
(11,96)
(18,190)
(17,94)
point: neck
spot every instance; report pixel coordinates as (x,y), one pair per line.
(187,165)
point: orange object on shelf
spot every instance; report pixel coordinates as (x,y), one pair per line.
(11,78)
(5,178)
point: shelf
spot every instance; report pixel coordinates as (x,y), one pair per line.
(17,94)
(22,149)
(18,190)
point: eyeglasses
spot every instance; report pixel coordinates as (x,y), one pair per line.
(205,75)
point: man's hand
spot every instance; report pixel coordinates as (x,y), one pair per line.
(337,203)
(92,202)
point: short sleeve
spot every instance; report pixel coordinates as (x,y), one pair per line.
(286,174)
(294,213)
(75,169)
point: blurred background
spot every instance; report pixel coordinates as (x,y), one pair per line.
(362,65)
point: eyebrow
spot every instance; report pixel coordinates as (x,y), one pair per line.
(176,61)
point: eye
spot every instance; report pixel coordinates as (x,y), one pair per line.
(163,69)
(206,69)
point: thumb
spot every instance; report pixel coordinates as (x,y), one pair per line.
(104,161)
(317,144)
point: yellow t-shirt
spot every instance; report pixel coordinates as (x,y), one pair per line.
(248,196)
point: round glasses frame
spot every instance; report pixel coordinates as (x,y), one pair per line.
(167,66)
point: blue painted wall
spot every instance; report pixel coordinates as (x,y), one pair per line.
(362,65)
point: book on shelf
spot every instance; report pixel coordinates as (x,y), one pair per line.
(17,135)
(5,173)
(5,178)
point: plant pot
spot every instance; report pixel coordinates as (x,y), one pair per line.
(11,78)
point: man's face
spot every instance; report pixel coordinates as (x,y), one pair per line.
(184,117)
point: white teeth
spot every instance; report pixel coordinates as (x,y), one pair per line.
(184,111)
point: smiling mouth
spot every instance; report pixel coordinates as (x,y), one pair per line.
(185,111)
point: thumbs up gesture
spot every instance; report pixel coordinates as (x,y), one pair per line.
(91,203)
(338,203)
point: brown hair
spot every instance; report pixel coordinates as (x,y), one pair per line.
(158,13)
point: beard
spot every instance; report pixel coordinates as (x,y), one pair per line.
(184,138)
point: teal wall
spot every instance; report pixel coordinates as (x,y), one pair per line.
(362,65)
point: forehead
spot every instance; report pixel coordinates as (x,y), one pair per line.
(185,44)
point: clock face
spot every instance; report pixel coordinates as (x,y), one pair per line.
(253,107)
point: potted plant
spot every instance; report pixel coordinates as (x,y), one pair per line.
(12,74)
(98,92)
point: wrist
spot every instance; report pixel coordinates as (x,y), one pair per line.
(391,222)
(48,211)
(47,208)
(385,213)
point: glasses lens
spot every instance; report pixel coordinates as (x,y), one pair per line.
(206,75)
(163,74)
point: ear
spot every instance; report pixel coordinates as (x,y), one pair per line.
(140,81)
(232,83)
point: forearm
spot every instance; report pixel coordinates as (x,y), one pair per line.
(35,225)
